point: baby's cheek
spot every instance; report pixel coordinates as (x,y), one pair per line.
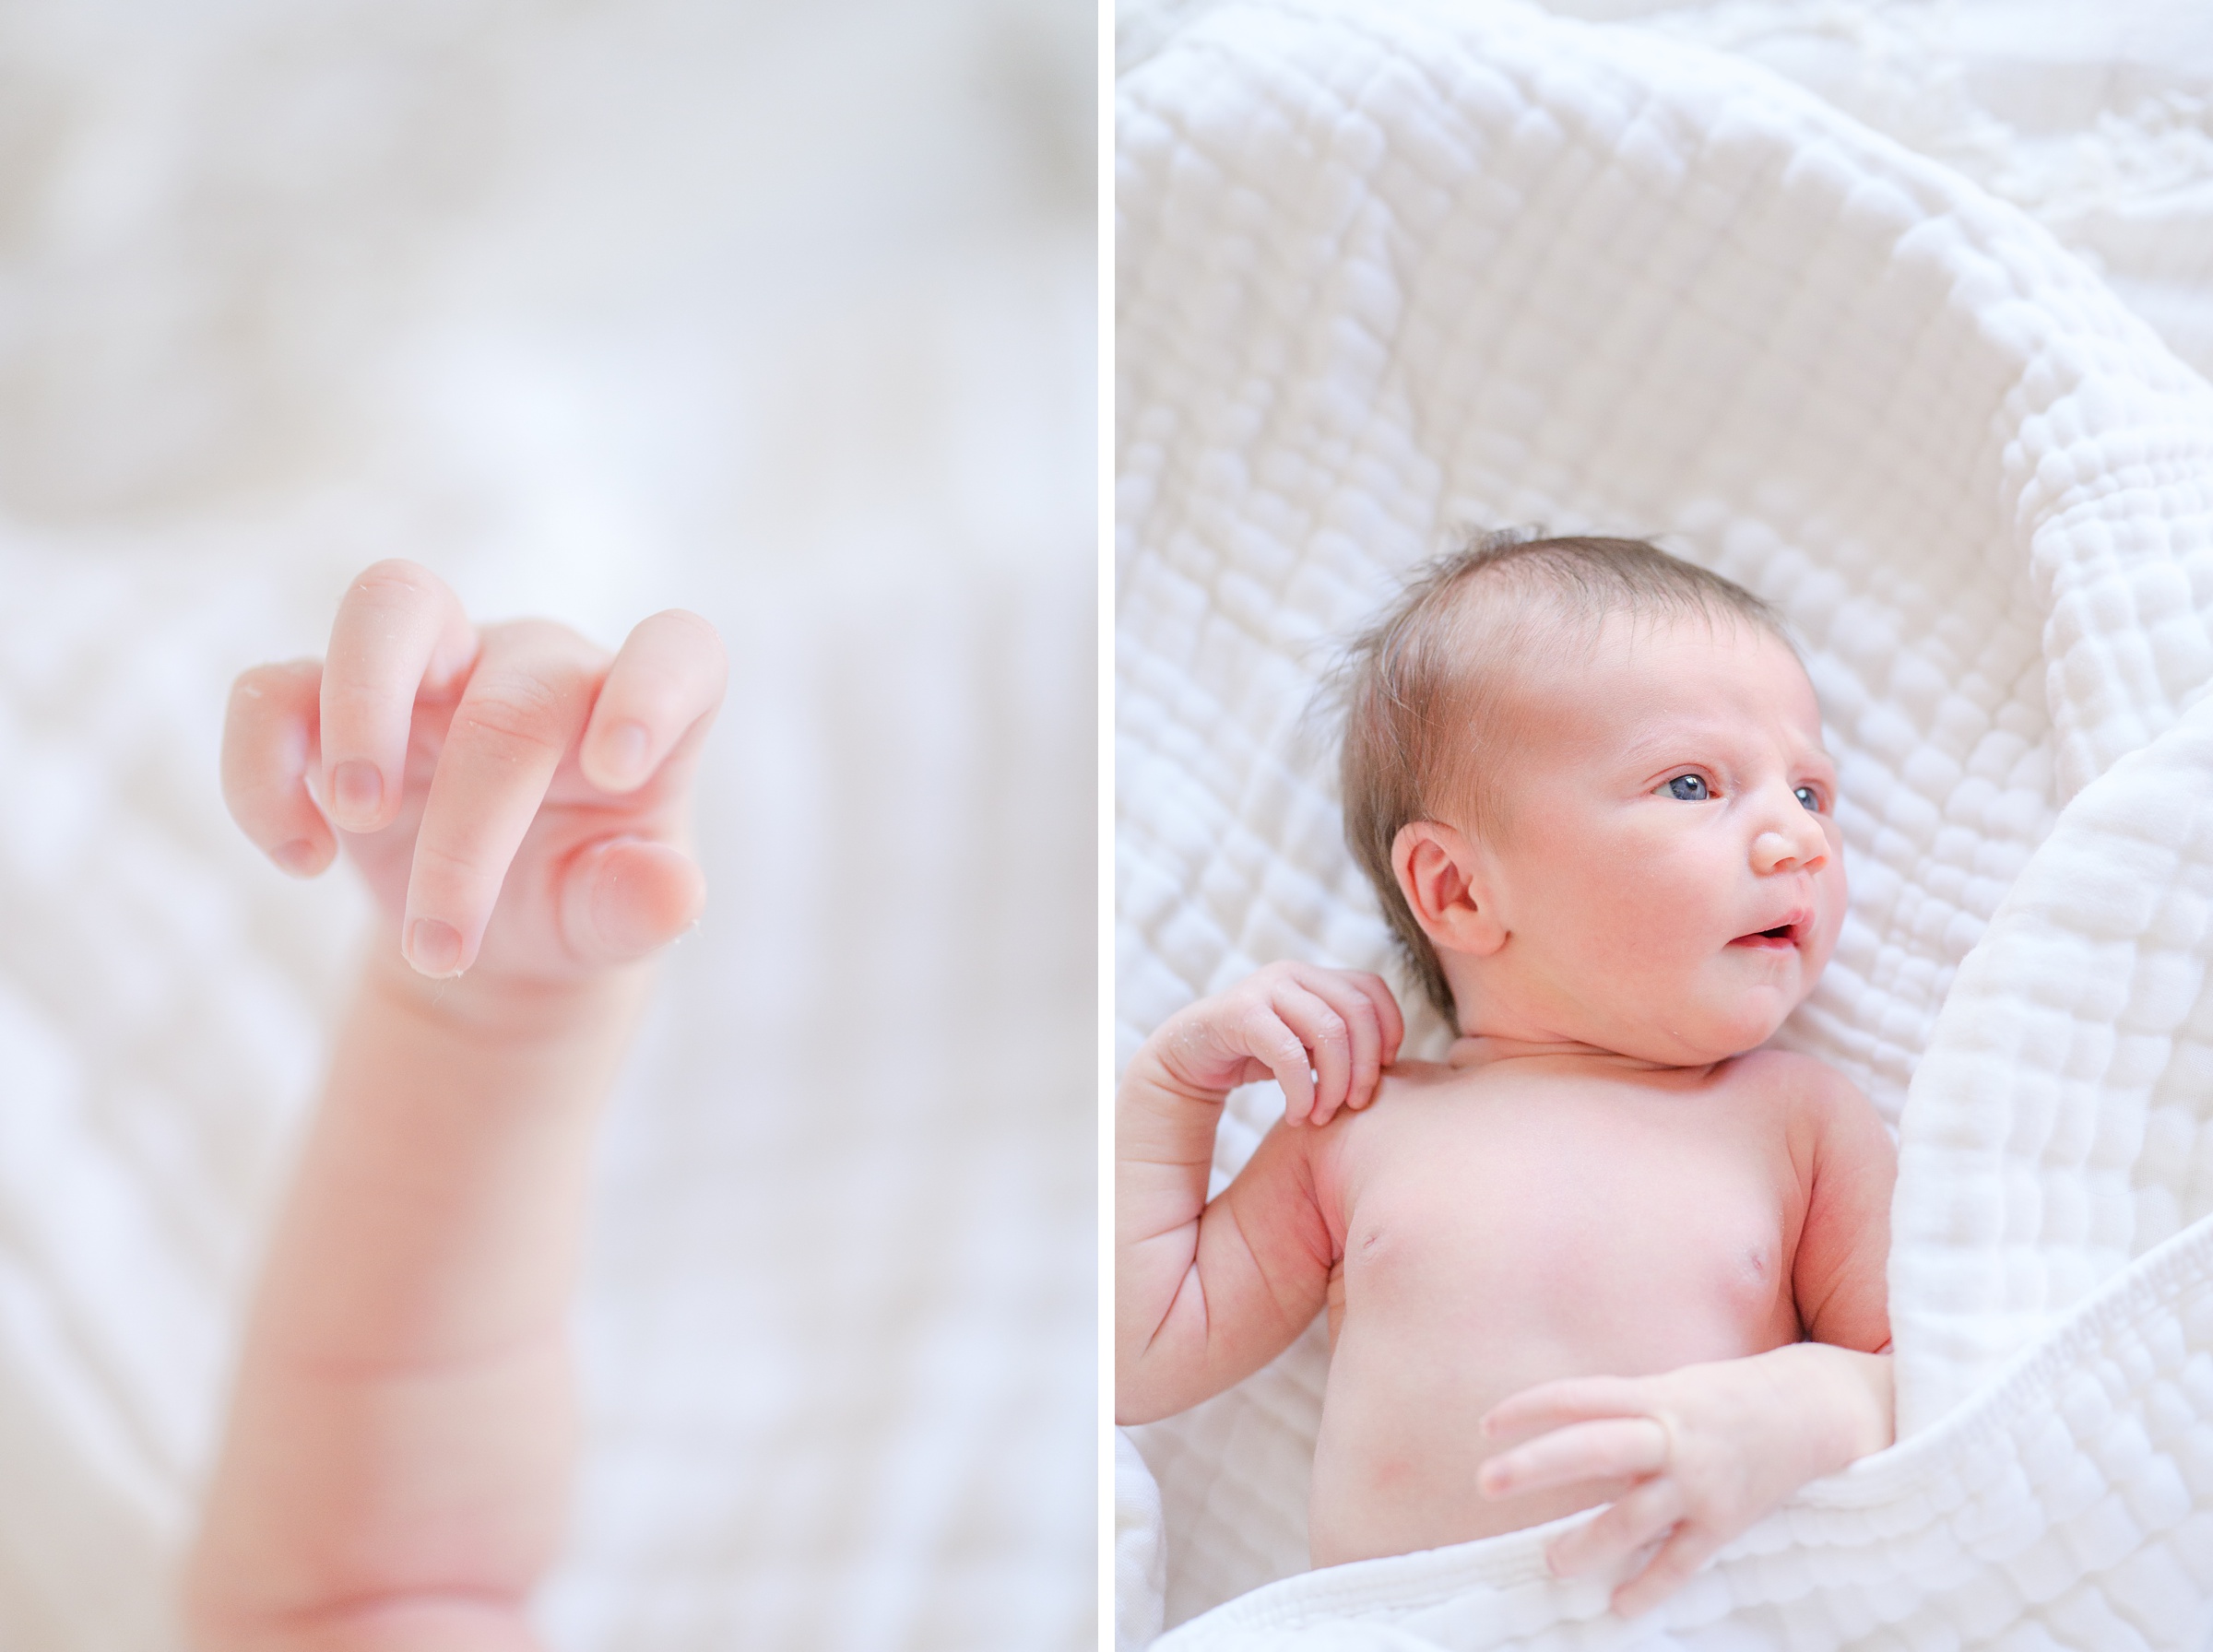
(1664,912)
(1614,918)
(1647,946)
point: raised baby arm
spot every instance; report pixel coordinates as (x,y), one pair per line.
(1207,1293)
(394,1466)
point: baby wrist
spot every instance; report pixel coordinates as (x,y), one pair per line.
(485,1009)
(1855,1406)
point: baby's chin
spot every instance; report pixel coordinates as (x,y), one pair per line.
(1699,1035)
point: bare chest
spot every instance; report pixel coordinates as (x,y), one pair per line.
(1645,1236)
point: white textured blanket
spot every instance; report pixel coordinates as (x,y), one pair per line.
(1386,271)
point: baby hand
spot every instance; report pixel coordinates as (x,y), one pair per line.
(515,797)
(1325,1035)
(1713,1449)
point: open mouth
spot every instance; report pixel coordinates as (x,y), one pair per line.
(1782,935)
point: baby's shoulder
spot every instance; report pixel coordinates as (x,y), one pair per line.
(1816,1097)
(1344,1154)
(1787,1071)
(1413,1092)
(1406,1099)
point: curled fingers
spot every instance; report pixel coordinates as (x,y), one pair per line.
(400,634)
(1327,1042)
(526,704)
(623,897)
(1277,1046)
(270,747)
(1689,1547)
(659,696)
(1391,1021)
(1370,1042)
(1640,1516)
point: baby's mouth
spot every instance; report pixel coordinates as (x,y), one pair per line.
(1780,938)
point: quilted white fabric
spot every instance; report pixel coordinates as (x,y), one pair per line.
(1384,272)
(2096,121)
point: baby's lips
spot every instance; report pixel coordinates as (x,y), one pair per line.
(1792,928)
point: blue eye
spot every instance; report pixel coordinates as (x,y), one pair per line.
(1690,788)
(1808,798)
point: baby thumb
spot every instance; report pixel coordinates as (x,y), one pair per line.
(627,896)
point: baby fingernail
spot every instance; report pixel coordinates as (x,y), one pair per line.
(356,788)
(434,948)
(298,857)
(626,753)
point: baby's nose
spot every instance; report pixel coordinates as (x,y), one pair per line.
(1802,847)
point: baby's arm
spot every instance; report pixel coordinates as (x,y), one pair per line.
(1840,1275)
(396,1459)
(1207,1293)
(1715,1448)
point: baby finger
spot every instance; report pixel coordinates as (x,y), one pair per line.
(1328,1044)
(524,706)
(1612,1448)
(399,633)
(1391,1021)
(1568,1399)
(1640,1516)
(1276,1046)
(625,897)
(666,683)
(268,748)
(1365,1035)
(1678,1561)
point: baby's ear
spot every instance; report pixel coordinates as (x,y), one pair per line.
(1444,876)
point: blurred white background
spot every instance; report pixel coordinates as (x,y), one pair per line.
(785,313)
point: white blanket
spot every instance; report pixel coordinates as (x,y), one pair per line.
(1383,272)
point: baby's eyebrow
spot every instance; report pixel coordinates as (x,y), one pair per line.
(1674,742)
(1691,741)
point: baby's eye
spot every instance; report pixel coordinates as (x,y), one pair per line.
(1690,788)
(1808,798)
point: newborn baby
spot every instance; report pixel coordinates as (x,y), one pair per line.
(1611,1251)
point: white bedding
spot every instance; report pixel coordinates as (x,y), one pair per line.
(1383,271)
(596,310)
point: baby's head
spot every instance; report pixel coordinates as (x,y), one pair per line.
(1587,781)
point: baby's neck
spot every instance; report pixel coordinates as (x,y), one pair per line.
(1489,1049)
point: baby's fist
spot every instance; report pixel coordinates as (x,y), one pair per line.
(514,796)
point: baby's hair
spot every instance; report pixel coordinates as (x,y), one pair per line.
(1423,688)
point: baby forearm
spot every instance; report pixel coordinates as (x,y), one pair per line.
(1206,1295)
(438,1202)
(403,1421)
(1205,1304)
(1164,1138)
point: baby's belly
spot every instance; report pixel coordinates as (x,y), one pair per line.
(1445,1319)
